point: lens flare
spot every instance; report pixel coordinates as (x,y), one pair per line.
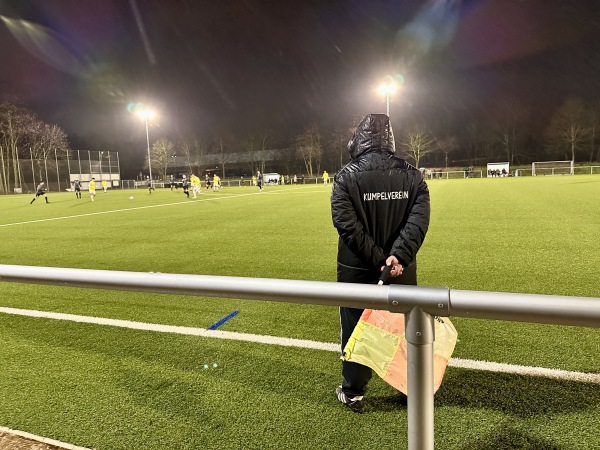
(44,44)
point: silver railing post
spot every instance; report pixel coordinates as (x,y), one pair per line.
(419,331)
(419,304)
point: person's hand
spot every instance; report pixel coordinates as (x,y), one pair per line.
(396,266)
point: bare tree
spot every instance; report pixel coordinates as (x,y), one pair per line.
(193,151)
(417,143)
(223,151)
(336,150)
(161,153)
(593,119)
(256,148)
(511,114)
(24,135)
(568,133)
(13,131)
(264,139)
(44,141)
(251,148)
(308,147)
(289,159)
(474,141)
(447,145)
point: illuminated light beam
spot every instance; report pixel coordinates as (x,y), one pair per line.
(44,45)
(143,35)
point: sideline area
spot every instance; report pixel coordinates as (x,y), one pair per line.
(488,366)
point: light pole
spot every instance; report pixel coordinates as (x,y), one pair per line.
(146,115)
(386,89)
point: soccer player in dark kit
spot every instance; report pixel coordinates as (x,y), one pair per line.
(77,187)
(41,190)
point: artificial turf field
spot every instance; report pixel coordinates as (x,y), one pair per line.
(116,388)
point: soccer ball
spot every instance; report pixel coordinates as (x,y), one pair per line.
(131,198)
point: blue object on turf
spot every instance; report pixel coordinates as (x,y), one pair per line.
(218,323)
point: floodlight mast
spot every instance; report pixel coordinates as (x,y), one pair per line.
(387,89)
(146,115)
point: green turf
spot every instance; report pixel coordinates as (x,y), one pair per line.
(112,388)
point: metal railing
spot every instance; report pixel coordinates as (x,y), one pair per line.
(419,304)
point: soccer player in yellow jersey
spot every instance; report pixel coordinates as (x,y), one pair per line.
(196,185)
(92,188)
(216,182)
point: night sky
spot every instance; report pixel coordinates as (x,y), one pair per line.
(238,67)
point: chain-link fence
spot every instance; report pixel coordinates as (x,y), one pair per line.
(59,174)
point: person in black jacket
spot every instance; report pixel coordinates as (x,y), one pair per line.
(380,208)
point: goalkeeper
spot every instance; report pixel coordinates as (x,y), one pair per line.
(380,208)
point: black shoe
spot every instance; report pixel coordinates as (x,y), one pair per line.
(355,404)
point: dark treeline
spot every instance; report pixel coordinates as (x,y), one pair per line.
(511,131)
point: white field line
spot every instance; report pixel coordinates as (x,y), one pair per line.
(300,343)
(526,370)
(111,211)
(41,439)
(261,339)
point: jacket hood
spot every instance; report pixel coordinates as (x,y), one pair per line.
(374,133)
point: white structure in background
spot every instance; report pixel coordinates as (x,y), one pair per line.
(499,169)
(271,178)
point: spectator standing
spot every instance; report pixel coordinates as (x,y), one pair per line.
(380,208)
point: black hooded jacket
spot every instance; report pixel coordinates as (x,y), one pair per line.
(379,205)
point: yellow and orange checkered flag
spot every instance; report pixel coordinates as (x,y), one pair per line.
(378,342)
